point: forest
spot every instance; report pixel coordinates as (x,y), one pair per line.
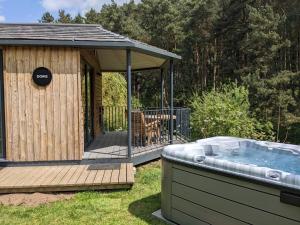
(240,60)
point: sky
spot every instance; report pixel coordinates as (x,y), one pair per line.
(26,11)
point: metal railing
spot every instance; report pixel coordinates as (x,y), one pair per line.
(150,126)
(113,118)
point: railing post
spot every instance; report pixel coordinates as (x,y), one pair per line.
(171,101)
(161,100)
(161,89)
(129,134)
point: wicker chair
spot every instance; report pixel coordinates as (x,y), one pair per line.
(144,132)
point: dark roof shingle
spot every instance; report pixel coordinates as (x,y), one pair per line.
(73,35)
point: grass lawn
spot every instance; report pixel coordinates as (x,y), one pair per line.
(115,207)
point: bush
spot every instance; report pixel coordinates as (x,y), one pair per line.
(114,89)
(226,113)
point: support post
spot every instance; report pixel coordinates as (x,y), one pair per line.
(171,101)
(129,134)
(161,89)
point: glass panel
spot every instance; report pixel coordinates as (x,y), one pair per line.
(83,93)
(89,107)
(87,99)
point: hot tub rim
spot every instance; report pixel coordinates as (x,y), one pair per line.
(245,177)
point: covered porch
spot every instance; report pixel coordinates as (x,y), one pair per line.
(149,134)
(128,133)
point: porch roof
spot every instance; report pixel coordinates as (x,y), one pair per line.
(110,47)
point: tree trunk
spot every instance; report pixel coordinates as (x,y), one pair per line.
(215,64)
(197,64)
(278,123)
(298,53)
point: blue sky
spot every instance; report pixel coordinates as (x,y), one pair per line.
(13,11)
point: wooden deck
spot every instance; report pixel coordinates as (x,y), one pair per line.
(66,177)
(114,145)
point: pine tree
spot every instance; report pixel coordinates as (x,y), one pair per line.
(92,17)
(262,42)
(78,19)
(255,43)
(64,17)
(47,18)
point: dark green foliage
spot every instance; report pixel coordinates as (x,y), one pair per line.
(255,43)
(114,90)
(226,113)
(64,17)
(78,19)
(92,17)
(47,18)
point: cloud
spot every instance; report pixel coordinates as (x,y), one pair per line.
(74,5)
(2,19)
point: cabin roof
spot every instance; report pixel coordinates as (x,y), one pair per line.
(76,35)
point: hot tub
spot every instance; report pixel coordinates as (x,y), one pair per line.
(226,180)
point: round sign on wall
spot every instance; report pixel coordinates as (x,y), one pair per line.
(42,76)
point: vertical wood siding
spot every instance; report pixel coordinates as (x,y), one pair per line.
(89,57)
(97,102)
(43,123)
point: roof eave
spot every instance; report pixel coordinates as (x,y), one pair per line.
(94,44)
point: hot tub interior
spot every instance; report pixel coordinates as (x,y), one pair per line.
(260,159)
(227,181)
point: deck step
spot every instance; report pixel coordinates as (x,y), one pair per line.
(59,178)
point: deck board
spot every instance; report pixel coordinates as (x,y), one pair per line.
(115,176)
(130,176)
(52,176)
(76,175)
(106,177)
(99,177)
(90,179)
(113,145)
(123,174)
(65,178)
(50,173)
(68,175)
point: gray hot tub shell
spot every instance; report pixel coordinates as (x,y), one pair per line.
(203,190)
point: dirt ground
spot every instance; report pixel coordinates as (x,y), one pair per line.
(33,199)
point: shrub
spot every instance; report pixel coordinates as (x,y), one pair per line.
(114,90)
(226,113)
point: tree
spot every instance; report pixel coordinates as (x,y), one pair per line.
(230,29)
(262,42)
(110,17)
(260,48)
(46,18)
(92,17)
(110,83)
(199,42)
(254,43)
(160,19)
(280,101)
(78,19)
(64,17)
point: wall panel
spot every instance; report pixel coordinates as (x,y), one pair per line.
(89,57)
(43,123)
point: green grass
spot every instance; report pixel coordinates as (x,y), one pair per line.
(128,207)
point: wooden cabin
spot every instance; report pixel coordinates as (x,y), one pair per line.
(51,97)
